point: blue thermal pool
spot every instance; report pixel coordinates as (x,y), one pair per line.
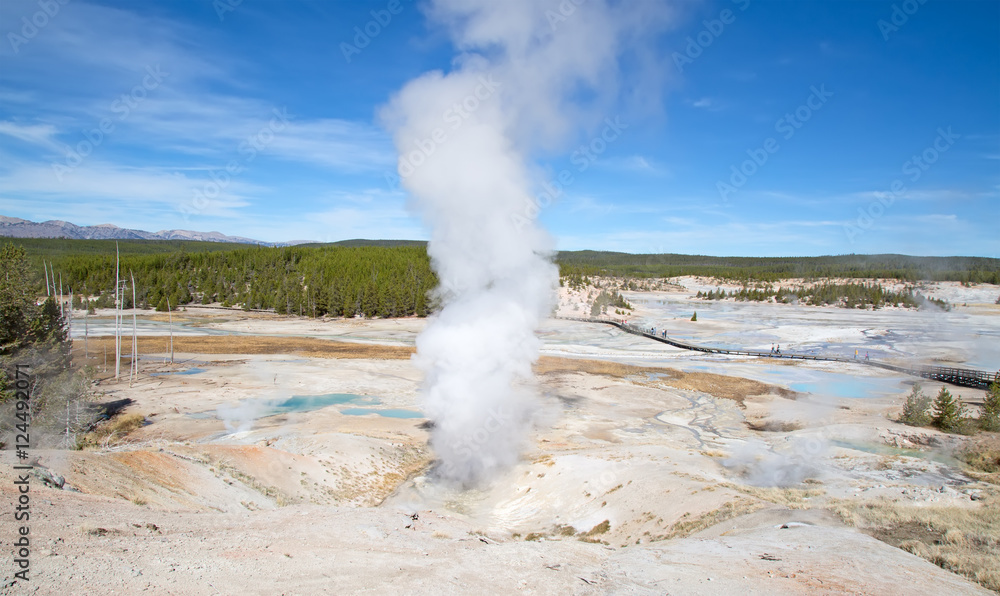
(308,403)
(387,413)
(846,386)
(188,371)
(250,409)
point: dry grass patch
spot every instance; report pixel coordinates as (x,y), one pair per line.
(601,528)
(962,540)
(112,431)
(545,459)
(982,456)
(729,510)
(772,426)
(246,344)
(592,534)
(554,365)
(90,530)
(793,498)
(734,388)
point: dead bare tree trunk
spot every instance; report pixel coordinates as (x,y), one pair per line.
(69,319)
(118,333)
(135,342)
(170,319)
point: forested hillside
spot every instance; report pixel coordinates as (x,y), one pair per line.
(849,295)
(393,278)
(314,281)
(589,263)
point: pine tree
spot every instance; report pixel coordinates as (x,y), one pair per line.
(949,412)
(916,407)
(16,300)
(990,418)
(49,325)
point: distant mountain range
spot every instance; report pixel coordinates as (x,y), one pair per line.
(22,228)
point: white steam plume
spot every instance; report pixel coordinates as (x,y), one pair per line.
(529,76)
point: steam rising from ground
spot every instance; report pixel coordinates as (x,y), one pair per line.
(762,466)
(464,138)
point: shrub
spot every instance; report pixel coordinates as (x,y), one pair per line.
(112,431)
(949,412)
(990,418)
(915,410)
(694,317)
(982,454)
(606,299)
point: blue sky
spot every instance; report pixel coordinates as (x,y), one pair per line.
(875,125)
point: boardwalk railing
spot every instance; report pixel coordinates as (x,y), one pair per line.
(964,377)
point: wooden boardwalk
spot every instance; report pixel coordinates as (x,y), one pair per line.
(963,377)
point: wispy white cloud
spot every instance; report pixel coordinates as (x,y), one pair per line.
(710,104)
(588,204)
(99,44)
(632,163)
(339,144)
(36,134)
(702,237)
(911,234)
(135,193)
(942,194)
(202,112)
(935,218)
(11,96)
(346,222)
(202,104)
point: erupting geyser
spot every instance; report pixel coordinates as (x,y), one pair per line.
(463,138)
